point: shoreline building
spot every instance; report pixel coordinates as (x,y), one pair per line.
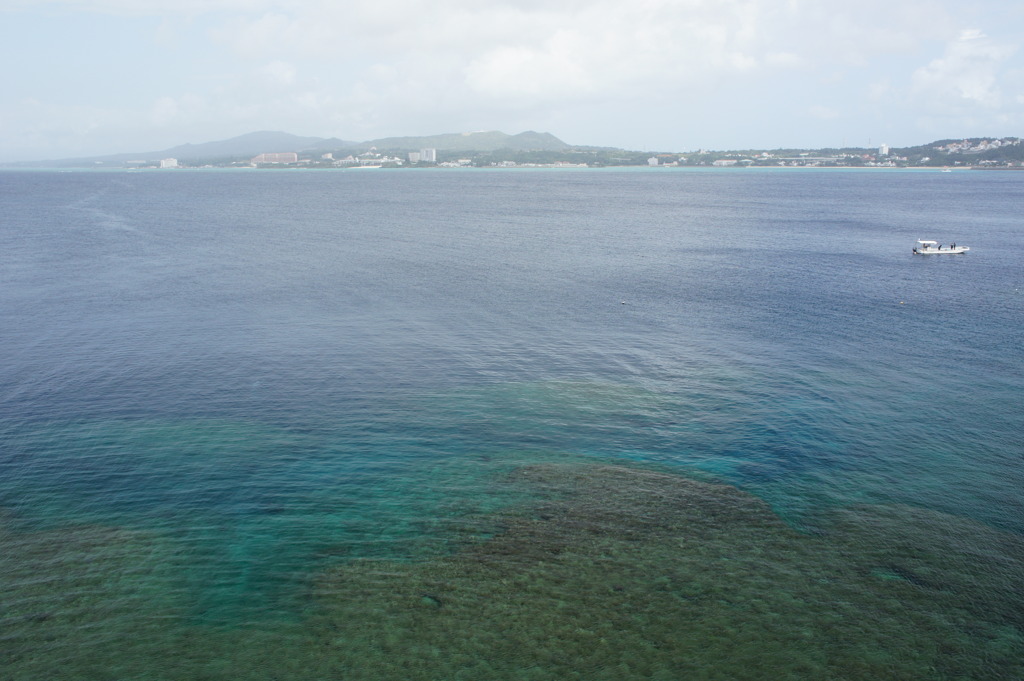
(282,157)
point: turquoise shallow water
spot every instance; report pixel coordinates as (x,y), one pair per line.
(340,425)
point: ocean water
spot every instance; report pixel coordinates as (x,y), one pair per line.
(512,424)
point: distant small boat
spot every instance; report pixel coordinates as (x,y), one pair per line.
(935,248)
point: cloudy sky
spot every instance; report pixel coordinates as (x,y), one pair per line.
(104,76)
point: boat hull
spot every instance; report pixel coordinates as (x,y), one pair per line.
(941,251)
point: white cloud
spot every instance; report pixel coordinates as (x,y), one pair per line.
(784,60)
(598,68)
(170,111)
(966,73)
(558,68)
(141,7)
(880,90)
(279,73)
(823,112)
(625,50)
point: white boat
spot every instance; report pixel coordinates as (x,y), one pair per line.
(935,248)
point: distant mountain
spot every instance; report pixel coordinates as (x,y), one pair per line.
(472,141)
(254,143)
(540,147)
(248,145)
(244,146)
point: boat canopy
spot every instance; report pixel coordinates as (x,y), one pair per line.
(927,243)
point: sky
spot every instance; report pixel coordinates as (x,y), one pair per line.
(85,77)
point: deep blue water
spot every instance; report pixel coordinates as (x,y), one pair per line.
(274,371)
